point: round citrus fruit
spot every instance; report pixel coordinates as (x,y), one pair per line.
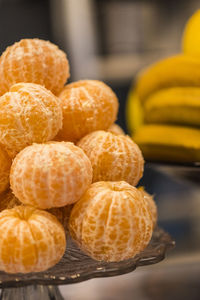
(111,222)
(50,175)
(116,129)
(8,200)
(28,113)
(113,157)
(5,164)
(31,240)
(36,61)
(152,205)
(88,105)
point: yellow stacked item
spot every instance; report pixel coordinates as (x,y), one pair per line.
(191,37)
(163,110)
(169,143)
(176,71)
(134,112)
(174,105)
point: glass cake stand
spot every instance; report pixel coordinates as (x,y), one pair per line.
(75,267)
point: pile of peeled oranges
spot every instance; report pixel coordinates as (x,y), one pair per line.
(66,167)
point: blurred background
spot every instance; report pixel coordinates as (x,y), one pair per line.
(112,40)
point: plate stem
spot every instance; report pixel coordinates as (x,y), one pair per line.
(32,292)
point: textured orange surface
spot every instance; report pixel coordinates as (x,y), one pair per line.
(5,164)
(8,200)
(31,240)
(113,157)
(111,222)
(116,129)
(28,113)
(36,61)
(50,175)
(152,205)
(88,105)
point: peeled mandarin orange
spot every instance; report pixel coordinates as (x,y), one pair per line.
(8,200)
(28,113)
(36,61)
(152,205)
(5,164)
(111,222)
(50,175)
(113,157)
(31,240)
(88,105)
(116,129)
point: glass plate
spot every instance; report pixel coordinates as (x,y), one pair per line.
(75,266)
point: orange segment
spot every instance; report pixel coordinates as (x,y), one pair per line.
(113,157)
(88,105)
(111,222)
(28,113)
(30,240)
(50,175)
(36,61)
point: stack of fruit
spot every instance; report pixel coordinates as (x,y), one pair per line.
(51,187)
(168,93)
